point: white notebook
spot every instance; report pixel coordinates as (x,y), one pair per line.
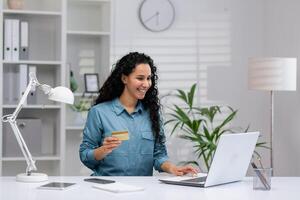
(118,187)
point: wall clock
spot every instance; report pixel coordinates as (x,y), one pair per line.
(157,15)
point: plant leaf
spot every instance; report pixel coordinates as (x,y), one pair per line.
(190,95)
(182,95)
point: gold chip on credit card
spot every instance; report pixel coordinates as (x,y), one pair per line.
(122,135)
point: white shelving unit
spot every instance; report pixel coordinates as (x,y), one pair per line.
(31,12)
(87,51)
(62,35)
(34,62)
(89,33)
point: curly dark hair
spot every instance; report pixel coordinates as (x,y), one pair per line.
(113,86)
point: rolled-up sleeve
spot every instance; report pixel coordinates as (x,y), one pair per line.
(92,138)
(160,150)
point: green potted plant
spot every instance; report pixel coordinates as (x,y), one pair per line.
(199,125)
(81,109)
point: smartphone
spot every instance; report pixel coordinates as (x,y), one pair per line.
(99,180)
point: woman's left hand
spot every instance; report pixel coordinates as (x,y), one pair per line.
(182,170)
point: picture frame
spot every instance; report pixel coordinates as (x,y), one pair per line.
(91,83)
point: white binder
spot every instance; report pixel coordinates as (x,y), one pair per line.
(7,40)
(15,39)
(24,40)
(22,80)
(31,98)
(8,85)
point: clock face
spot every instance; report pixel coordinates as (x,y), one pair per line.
(157,15)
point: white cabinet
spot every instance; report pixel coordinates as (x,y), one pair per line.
(63,35)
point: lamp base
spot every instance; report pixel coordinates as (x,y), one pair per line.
(34,177)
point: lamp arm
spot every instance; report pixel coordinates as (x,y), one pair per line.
(32,84)
(11,118)
(28,157)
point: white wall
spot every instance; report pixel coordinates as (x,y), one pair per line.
(256,29)
(282,39)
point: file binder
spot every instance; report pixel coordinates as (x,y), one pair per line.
(22,80)
(31,98)
(8,85)
(7,40)
(15,85)
(15,39)
(24,40)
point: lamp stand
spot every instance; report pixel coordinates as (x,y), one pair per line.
(60,94)
(271,131)
(33,177)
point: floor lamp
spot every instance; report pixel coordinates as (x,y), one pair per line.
(272,74)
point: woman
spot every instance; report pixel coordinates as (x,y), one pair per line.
(128,101)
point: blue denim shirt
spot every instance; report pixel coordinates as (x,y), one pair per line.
(134,157)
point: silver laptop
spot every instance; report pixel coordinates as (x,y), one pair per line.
(230,162)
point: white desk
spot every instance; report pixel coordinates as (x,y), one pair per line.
(282,188)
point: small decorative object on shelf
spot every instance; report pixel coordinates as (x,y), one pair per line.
(84,104)
(91,83)
(73,82)
(81,109)
(15,4)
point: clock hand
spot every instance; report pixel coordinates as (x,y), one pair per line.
(151,17)
(157,19)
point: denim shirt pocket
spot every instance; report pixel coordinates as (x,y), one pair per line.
(147,144)
(122,149)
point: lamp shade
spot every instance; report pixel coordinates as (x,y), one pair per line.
(61,94)
(273,73)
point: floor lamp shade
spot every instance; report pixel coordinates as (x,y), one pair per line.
(272,74)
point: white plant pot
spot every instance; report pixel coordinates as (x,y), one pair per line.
(80,118)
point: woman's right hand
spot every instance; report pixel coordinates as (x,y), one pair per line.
(109,144)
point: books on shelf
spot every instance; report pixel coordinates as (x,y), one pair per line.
(16,40)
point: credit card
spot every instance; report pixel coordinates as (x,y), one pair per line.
(122,135)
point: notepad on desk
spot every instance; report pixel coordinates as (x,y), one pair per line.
(118,187)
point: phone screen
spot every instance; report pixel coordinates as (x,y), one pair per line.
(99,180)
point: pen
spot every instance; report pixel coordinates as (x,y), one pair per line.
(261,176)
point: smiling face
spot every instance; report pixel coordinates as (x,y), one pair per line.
(137,83)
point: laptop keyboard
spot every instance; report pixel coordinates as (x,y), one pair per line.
(196,180)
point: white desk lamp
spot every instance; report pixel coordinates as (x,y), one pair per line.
(61,94)
(272,74)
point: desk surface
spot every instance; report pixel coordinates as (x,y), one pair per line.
(282,188)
